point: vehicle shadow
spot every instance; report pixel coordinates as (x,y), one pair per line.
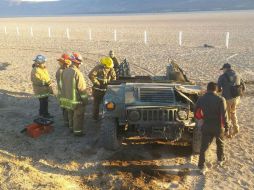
(146,163)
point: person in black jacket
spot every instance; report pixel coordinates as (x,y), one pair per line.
(215,123)
(226,81)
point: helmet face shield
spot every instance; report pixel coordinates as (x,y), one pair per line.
(77,58)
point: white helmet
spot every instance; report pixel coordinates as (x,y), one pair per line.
(40,59)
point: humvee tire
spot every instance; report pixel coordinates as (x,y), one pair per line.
(196,140)
(110,137)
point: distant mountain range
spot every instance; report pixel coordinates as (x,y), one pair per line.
(70,7)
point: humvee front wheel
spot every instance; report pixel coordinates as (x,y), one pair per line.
(111,139)
(196,140)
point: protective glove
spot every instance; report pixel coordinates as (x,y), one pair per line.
(46,83)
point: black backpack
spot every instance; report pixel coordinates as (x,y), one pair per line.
(236,90)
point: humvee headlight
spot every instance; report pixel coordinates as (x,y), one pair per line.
(110,106)
(134,115)
(182,115)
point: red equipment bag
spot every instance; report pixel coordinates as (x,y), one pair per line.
(39,127)
(35,130)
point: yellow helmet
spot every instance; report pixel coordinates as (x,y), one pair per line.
(107,62)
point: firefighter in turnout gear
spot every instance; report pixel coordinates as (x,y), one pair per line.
(101,76)
(64,62)
(74,96)
(41,84)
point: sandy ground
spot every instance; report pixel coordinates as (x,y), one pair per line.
(61,161)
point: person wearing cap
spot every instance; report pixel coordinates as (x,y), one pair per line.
(74,95)
(228,84)
(41,84)
(214,125)
(64,62)
(101,75)
(115,62)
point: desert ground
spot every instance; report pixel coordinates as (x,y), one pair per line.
(61,161)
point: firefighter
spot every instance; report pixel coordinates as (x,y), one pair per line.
(41,84)
(115,62)
(74,96)
(101,76)
(64,62)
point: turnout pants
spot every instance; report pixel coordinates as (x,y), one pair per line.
(65,117)
(76,119)
(98,98)
(207,139)
(43,111)
(231,109)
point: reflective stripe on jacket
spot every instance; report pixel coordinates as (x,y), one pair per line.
(59,75)
(73,91)
(99,74)
(41,80)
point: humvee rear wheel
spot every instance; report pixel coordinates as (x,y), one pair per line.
(196,140)
(111,138)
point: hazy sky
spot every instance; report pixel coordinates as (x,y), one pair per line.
(70,7)
(34,0)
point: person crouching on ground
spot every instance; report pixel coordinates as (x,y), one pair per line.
(74,95)
(41,84)
(64,62)
(215,123)
(101,75)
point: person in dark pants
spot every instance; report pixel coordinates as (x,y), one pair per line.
(43,111)
(99,95)
(215,123)
(41,84)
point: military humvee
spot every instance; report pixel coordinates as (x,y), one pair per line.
(151,107)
